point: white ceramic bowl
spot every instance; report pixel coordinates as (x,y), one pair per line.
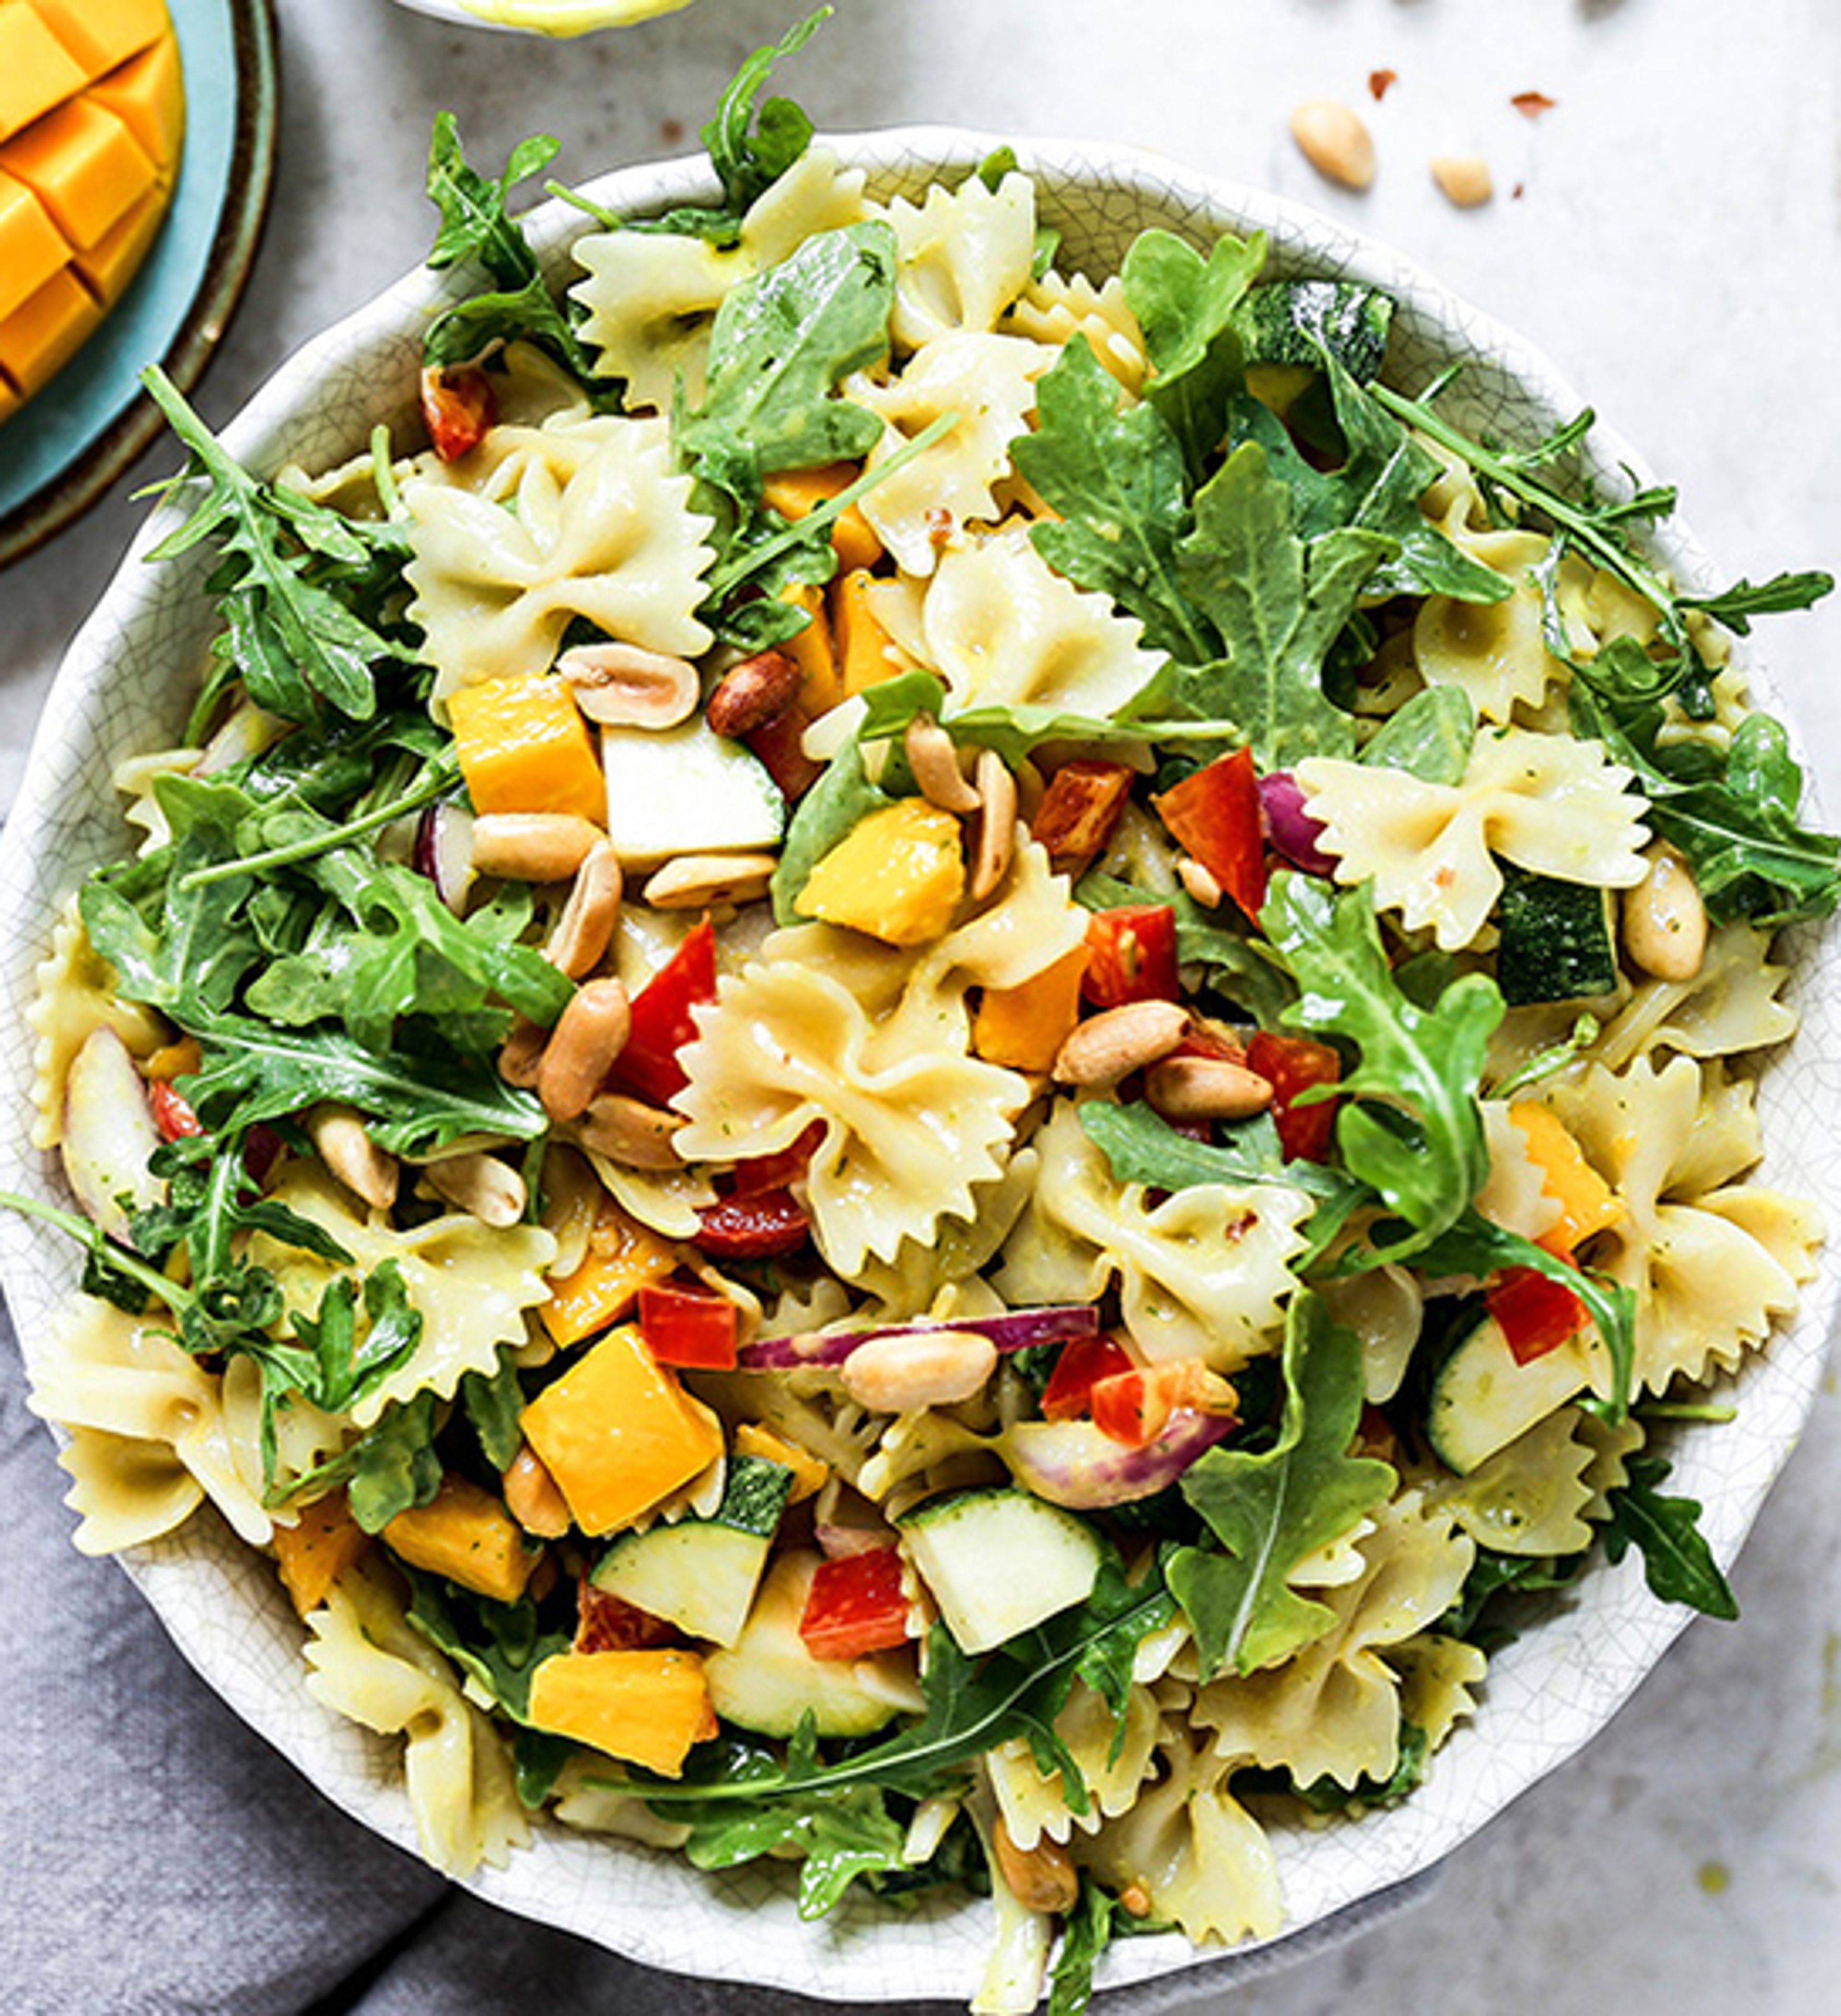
(124,687)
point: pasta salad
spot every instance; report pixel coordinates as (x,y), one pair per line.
(929,1067)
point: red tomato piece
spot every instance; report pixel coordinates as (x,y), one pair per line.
(1536,1312)
(662,1019)
(688,1327)
(774,1172)
(172,1112)
(856,1605)
(458,405)
(1215,813)
(610,1624)
(1131,956)
(1291,1065)
(1082,1363)
(766,1227)
(1135,1407)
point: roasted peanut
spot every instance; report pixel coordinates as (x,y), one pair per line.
(1110,1046)
(522,1052)
(757,691)
(1205,1088)
(1334,141)
(532,847)
(532,1498)
(938,1368)
(1465,179)
(1664,922)
(997,821)
(934,758)
(698,881)
(1200,885)
(338,1133)
(629,1132)
(488,1188)
(622,686)
(588,1036)
(1042,1878)
(585,928)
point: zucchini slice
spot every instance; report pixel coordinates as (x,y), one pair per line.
(1557,940)
(1482,1400)
(998,1562)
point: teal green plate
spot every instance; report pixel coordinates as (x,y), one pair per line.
(63,449)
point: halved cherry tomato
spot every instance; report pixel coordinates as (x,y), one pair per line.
(1068,1394)
(1081,805)
(662,1020)
(856,1605)
(1291,1065)
(1135,1407)
(458,406)
(1131,956)
(1536,1312)
(689,1326)
(768,1226)
(172,1112)
(1215,813)
(610,1624)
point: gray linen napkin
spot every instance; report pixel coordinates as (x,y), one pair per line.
(161,1860)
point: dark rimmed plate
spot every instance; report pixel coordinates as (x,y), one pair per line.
(69,444)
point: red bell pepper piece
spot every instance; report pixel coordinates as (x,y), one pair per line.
(1079,811)
(610,1624)
(1291,1065)
(662,1020)
(1135,1407)
(1215,813)
(1131,956)
(172,1112)
(765,1226)
(1536,1312)
(856,1605)
(1082,1363)
(773,1172)
(689,1326)
(458,405)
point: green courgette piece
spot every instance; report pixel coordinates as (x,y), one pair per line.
(1557,940)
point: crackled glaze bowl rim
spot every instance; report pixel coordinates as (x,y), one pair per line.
(121,688)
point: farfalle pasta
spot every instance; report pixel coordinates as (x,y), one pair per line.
(925,1057)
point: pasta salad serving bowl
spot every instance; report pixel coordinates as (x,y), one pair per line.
(1442,1306)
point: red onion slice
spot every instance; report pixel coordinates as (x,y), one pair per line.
(1289,827)
(1072,1463)
(444,853)
(1015,1331)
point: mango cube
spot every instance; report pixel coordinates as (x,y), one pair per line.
(1023,1027)
(32,247)
(36,70)
(1588,1203)
(618,1433)
(898,875)
(646,1707)
(865,653)
(524,747)
(83,165)
(622,1258)
(312,1554)
(464,1533)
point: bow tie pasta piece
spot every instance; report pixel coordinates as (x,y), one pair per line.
(651,296)
(1670,1141)
(1003,628)
(1332,1710)
(1515,1195)
(965,257)
(1496,651)
(1113,1761)
(1732,1003)
(1436,1675)
(579,517)
(470,1282)
(1201,1275)
(75,993)
(989,382)
(1552,805)
(1056,309)
(365,1661)
(1530,1498)
(1201,1859)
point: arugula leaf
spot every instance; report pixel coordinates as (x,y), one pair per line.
(1269,1511)
(1085,1937)
(1301,322)
(1242,966)
(838,1837)
(1142,1148)
(1119,480)
(1493,1576)
(781,343)
(296,643)
(340,1367)
(476,224)
(1477,1245)
(839,800)
(499,1645)
(1430,737)
(748,161)
(1677,1563)
(1278,604)
(1409,1125)
(493,1403)
(1187,307)
(1736,606)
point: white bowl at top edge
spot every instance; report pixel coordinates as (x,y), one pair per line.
(124,687)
